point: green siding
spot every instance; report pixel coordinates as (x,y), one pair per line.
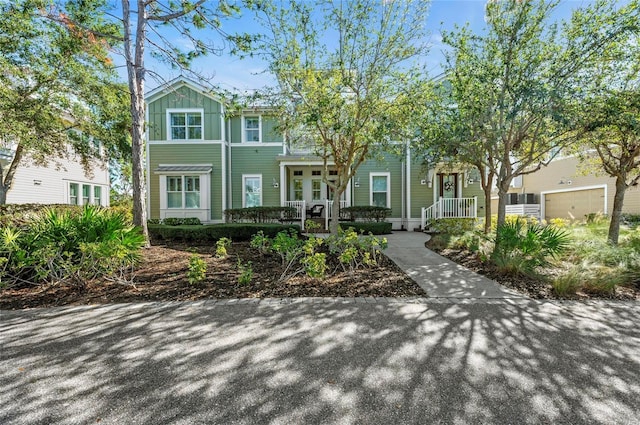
(256,160)
(236,130)
(421,194)
(184,97)
(390,163)
(270,134)
(189,154)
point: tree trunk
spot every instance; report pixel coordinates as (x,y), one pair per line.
(618,201)
(486,183)
(502,201)
(6,180)
(136,75)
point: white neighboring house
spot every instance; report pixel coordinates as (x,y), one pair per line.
(63,181)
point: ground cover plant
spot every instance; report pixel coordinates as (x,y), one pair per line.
(284,264)
(558,259)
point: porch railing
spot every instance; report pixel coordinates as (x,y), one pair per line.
(527,210)
(450,208)
(300,211)
(328,204)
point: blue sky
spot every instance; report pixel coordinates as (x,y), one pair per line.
(232,73)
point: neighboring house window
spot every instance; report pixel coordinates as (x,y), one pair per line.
(185,125)
(316,173)
(97,195)
(380,194)
(73,193)
(297,190)
(252,188)
(316,189)
(86,193)
(297,172)
(252,132)
(183,192)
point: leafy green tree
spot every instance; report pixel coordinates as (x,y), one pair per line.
(609,116)
(512,87)
(58,90)
(348,84)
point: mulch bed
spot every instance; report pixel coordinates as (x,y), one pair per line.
(534,287)
(162,276)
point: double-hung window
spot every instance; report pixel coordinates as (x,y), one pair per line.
(298,193)
(251,129)
(183,191)
(316,189)
(185,125)
(73,193)
(86,193)
(380,194)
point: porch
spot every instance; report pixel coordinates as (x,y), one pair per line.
(317,210)
(449,208)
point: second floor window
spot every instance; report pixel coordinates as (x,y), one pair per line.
(186,125)
(252,129)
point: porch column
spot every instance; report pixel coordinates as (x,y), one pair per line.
(283,185)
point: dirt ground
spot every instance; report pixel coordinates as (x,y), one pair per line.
(162,276)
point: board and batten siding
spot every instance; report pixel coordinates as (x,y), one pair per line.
(184,98)
(255,159)
(192,153)
(49,185)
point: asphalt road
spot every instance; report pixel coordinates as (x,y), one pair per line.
(421,362)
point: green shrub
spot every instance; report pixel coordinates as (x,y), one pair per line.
(213,232)
(69,245)
(470,241)
(375,228)
(153,221)
(260,214)
(521,248)
(453,226)
(21,214)
(367,213)
(197,269)
(221,247)
(568,283)
(355,251)
(245,271)
(177,221)
(630,219)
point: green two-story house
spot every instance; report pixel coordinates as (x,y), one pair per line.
(201,162)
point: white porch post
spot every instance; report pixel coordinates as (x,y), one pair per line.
(327,211)
(283,185)
(475,206)
(440,207)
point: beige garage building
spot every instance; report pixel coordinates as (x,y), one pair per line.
(574,204)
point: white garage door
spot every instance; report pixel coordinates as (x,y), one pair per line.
(575,204)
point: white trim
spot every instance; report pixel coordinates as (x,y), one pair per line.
(283,185)
(185,111)
(380,174)
(67,192)
(223,171)
(408,185)
(254,144)
(185,142)
(543,211)
(244,129)
(306,163)
(244,188)
(147,163)
(175,84)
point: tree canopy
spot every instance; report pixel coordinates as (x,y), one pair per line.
(58,90)
(348,82)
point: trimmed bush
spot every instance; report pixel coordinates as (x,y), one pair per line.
(453,226)
(368,213)
(213,232)
(375,228)
(176,221)
(260,214)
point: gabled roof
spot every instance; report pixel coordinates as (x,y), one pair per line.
(178,82)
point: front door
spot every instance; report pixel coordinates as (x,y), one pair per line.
(448,185)
(448,190)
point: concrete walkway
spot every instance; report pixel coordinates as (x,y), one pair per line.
(438,276)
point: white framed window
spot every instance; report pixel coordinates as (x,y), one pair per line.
(183,192)
(185,124)
(252,129)
(86,194)
(73,193)
(97,195)
(251,190)
(379,188)
(316,189)
(298,193)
